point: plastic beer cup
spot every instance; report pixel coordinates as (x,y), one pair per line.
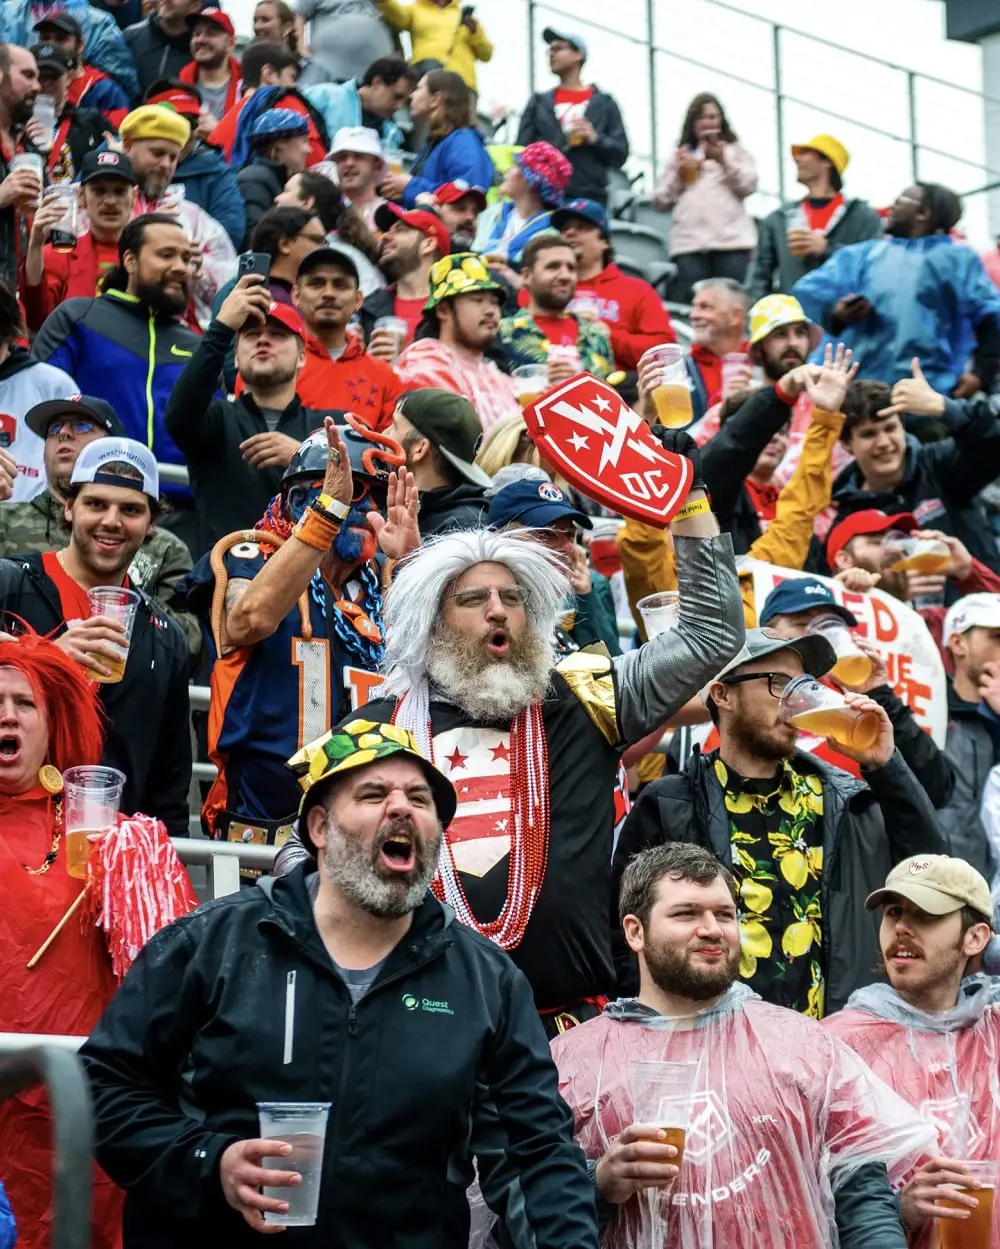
(853,667)
(659,612)
(303,1126)
(530,381)
(398,328)
(661,1094)
(975,1232)
(66,230)
(921,555)
(812,707)
(671,393)
(34,162)
(91,798)
(121,605)
(736,367)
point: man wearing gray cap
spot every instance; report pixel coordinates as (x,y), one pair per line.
(803,839)
(933,1032)
(581,121)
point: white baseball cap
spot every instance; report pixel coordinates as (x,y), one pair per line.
(357,139)
(90,465)
(974,611)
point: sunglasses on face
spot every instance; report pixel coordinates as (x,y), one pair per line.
(75,427)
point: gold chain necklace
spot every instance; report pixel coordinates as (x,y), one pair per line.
(50,858)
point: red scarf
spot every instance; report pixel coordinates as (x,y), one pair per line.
(189,74)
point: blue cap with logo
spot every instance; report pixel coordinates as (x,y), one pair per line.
(588,209)
(533,503)
(801,594)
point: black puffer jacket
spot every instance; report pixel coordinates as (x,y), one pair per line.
(156,54)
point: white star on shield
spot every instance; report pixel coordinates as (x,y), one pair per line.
(579,442)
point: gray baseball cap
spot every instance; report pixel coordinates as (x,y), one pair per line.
(816,653)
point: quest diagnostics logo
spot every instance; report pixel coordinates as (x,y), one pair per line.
(428,1004)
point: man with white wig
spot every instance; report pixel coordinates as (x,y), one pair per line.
(532,746)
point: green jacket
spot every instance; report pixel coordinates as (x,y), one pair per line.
(525,343)
(36,527)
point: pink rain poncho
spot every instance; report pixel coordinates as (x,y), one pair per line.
(946,1065)
(782,1114)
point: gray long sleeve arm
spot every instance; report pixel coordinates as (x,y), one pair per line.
(655,681)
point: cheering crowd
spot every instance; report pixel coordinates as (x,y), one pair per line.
(623,712)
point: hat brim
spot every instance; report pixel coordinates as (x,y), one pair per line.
(539,515)
(562,216)
(41,415)
(933,901)
(815,337)
(328,256)
(471,472)
(816,653)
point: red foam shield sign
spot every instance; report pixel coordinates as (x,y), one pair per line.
(584,429)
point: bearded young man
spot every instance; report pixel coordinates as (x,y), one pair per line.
(803,839)
(534,747)
(421,1034)
(933,1032)
(789,1136)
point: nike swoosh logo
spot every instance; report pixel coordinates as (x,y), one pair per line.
(176,351)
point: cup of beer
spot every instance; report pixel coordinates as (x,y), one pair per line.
(659,612)
(737,372)
(975,1232)
(67,228)
(303,1126)
(34,162)
(905,553)
(853,667)
(672,388)
(530,381)
(662,1093)
(91,798)
(798,241)
(121,605)
(397,328)
(812,707)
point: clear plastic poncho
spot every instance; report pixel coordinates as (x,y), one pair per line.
(945,1065)
(783,1114)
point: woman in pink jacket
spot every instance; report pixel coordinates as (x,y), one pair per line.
(705,183)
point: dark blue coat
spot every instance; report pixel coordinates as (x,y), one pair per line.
(211,184)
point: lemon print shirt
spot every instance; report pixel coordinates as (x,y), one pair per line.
(776,830)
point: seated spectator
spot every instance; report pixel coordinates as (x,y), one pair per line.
(357,153)
(265,99)
(372,100)
(213,68)
(202,170)
(461,322)
(20,189)
(798,237)
(583,122)
(263,65)
(316,193)
(341,37)
(445,32)
(287,235)
(24,382)
(534,185)
(236,450)
(704,185)
(51,276)
(549,275)
(274,22)
(439,433)
(455,150)
(86,83)
(412,243)
(338,371)
(112,505)
(629,307)
(459,207)
(66,426)
(77,131)
(161,43)
(914,293)
(719,309)
(280,144)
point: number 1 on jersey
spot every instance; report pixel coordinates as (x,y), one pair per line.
(313,662)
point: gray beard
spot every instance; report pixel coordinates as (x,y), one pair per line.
(487,689)
(358,878)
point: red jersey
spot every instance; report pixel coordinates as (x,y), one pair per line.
(67,275)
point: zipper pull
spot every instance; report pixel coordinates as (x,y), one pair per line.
(352,1026)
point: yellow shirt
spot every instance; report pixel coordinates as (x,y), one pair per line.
(437,34)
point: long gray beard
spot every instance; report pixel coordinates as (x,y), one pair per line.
(487,689)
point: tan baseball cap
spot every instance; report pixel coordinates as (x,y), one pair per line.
(938,884)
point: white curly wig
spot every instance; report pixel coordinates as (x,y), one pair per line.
(413,601)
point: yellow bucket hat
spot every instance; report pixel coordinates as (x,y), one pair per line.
(459,274)
(827,146)
(155,121)
(774,311)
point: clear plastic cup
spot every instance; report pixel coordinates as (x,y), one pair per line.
(303,1126)
(121,605)
(565,353)
(812,707)
(44,112)
(659,612)
(398,328)
(588,305)
(67,228)
(736,370)
(530,382)
(672,390)
(91,798)
(34,162)
(908,554)
(853,667)
(798,241)
(662,1093)
(975,1232)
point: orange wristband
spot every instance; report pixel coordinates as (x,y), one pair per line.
(315,530)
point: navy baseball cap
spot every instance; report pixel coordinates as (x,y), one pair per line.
(533,503)
(800,594)
(588,209)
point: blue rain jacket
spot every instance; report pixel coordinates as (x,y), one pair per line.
(8,1229)
(103,42)
(340,104)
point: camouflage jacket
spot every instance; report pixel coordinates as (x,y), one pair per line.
(36,526)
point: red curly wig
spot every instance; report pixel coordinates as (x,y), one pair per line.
(72,707)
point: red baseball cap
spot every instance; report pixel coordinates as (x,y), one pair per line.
(185,101)
(388,214)
(871,520)
(217,17)
(452,192)
(285,315)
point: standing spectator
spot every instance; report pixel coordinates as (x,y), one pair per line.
(581,121)
(86,82)
(629,307)
(263,65)
(343,34)
(77,131)
(462,321)
(112,505)
(19,190)
(274,22)
(357,153)
(454,151)
(535,184)
(800,236)
(412,244)
(442,31)
(103,42)
(161,43)
(914,293)
(338,371)
(459,207)
(24,382)
(705,183)
(213,68)
(371,100)
(549,275)
(718,320)
(280,144)
(267,99)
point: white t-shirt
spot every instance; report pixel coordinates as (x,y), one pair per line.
(18,394)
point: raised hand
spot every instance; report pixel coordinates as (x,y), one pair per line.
(338,481)
(914,395)
(827,388)
(398,532)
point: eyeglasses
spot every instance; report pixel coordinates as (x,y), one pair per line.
(75,427)
(509,595)
(777,682)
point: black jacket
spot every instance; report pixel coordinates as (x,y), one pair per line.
(973,747)
(259,183)
(443,1058)
(590,161)
(156,54)
(930,765)
(148,712)
(228,493)
(86,131)
(452,507)
(868,826)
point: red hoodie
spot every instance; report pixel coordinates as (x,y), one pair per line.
(633,311)
(189,74)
